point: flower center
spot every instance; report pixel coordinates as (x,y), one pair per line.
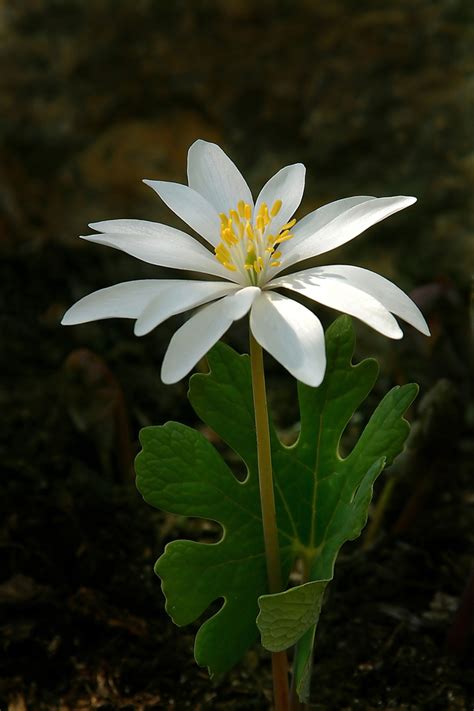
(249,246)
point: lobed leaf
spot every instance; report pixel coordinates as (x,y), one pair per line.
(322,500)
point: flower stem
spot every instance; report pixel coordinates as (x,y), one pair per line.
(267,501)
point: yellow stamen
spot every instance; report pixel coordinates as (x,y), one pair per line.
(222,250)
(249,231)
(284,237)
(276,208)
(288,225)
(235,216)
(244,246)
(229,236)
(264,213)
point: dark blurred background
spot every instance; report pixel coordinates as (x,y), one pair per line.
(375,98)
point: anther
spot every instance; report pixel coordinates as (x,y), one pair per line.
(283,237)
(276,208)
(243,239)
(288,225)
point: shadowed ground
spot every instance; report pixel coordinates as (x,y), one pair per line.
(374,98)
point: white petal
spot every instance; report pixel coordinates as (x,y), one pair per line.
(126,300)
(193,340)
(347,225)
(178,297)
(239,304)
(292,334)
(311,223)
(212,174)
(288,186)
(158,244)
(191,207)
(339,295)
(127,227)
(387,293)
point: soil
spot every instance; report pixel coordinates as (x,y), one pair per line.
(82,619)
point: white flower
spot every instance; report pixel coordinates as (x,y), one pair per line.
(248,247)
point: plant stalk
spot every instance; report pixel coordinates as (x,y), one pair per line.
(267,501)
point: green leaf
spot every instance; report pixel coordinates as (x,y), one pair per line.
(336,491)
(302,664)
(284,618)
(181,472)
(322,500)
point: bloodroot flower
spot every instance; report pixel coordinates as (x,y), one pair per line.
(248,247)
